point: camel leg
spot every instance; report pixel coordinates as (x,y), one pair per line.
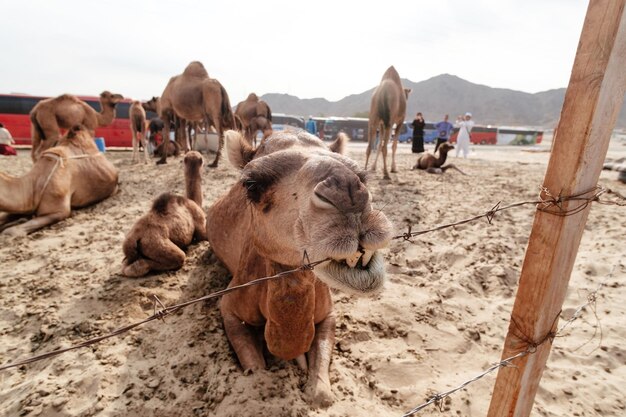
(241,336)
(135,146)
(144,143)
(163,255)
(394,147)
(166,116)
(318,384)
(220,145)
(383,147)
(371,140)
(37,223)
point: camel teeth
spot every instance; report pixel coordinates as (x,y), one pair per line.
(353,259)
(367,257)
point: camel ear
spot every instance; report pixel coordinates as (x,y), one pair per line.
(339,145)
(239,151)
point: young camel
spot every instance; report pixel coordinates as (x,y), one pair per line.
(295,196)
(433,164)
(157,240)
(387,108)
(137,119)
(51,115)
(71,175)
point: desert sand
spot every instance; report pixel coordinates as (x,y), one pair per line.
(440,321)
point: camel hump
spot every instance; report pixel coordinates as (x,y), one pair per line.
(196,69)
(252,97)
(392,74)
(163,202)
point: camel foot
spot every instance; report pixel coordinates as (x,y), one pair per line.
(14,232)
(136,269)
(161,161)
(394,170)
(213,165)
(386,177)
(319,393)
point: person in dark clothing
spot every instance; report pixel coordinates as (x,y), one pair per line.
(418,134)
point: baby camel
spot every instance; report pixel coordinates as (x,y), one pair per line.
(137,116)
(432,164)
(70,175)
(295,195)
(157,240)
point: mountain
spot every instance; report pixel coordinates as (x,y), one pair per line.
(445,94)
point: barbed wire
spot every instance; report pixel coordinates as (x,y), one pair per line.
(530,349)
(165,311)
(586,197)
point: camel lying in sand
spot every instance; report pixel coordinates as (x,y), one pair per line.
(387,108)
(295,195)
(137,120)
(157,240)
(71,175)
(434,164)
(51,115)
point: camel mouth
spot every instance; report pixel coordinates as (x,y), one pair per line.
(362,274)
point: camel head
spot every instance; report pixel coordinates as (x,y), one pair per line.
(110,99)
(305,197)
(151,105)
(445,148)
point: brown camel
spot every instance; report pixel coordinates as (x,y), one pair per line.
(254,114)
(434,164)
(71,175)
(295,196)
(388,107)
(137,118)
(194,97)
(157,240)
(51,115)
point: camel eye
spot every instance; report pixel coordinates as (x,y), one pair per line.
(254,190)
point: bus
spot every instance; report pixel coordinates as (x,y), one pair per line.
(15,110)
(355,127)
(281,121)
(406,133)
(481,135)
(492,135)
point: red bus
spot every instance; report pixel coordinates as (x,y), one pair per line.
(15,109)
(481,135)
(487,135)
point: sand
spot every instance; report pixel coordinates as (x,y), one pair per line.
(441,320)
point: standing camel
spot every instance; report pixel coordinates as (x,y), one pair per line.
(194,97)
(388,108)
(255,114)
(51,115)
(137,118)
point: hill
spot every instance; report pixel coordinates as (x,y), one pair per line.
(446,94)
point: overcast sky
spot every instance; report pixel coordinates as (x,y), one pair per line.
(320,48)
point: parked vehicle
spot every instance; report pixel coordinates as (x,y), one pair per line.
(406,133)
(15,110)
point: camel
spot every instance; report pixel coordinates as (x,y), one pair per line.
(157,240)
(137,117)
(434,165)
(254,114)
(71,175)
(194,97)
(388,107)
(51,115)
(296,196)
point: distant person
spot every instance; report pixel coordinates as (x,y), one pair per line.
(311,126)
(6,140)
(444,128)
(417,145)
(155,136)
(465,125)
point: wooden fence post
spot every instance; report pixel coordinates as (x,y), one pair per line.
(592,103)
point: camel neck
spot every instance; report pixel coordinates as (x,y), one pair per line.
(442,158)
(193,184)
(106,115)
